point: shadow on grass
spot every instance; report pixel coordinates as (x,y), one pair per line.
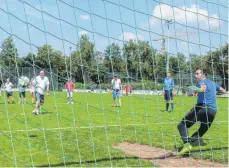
(90,161)
(213,149)
(45,112)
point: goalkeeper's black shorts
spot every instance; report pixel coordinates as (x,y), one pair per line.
(168,95)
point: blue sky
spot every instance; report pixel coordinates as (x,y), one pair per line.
(65,20)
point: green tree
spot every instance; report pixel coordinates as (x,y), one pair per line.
(84,61)
(9,54)
(114,61)
(130,55)
(28,60)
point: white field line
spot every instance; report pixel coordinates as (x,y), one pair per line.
(83,127)
(99,126)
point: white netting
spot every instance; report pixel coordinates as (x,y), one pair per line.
(88,42)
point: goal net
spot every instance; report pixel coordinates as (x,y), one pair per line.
(85,119)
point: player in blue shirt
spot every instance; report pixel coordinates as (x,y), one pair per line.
(168,91)
(204,111)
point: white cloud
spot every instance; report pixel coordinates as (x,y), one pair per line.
(192,14)
(83,32)
(84,17)
(130,36)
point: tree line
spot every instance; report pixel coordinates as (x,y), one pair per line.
(135,62)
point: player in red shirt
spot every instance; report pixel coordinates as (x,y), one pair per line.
(70,86)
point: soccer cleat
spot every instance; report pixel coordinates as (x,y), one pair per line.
(35,112)
(72,102)
(186,148)
(68,102)
(197,142)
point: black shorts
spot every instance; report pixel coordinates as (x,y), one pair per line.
(168,95)
(8,94)
(40,97)
(22,94)
(202,113)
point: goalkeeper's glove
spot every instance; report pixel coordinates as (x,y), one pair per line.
(195,89)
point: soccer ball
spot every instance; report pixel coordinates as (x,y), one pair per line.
(23,81)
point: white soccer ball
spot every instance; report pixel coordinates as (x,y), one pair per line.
(23,81)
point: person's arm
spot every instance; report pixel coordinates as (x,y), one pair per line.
(120,84)
(201,87)
(222,90)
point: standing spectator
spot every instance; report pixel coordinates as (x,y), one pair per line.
(9,91)
(70,86)
(168,91)
(116,90)
(23,83)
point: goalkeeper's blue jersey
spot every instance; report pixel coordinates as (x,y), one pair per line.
(168,84)
(209,96)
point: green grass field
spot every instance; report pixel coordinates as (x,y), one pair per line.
(91,127)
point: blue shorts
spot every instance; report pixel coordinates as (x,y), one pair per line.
(39,97)
(69,94)
(116,93)
(168,95)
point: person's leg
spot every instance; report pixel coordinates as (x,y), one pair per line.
(11,97)
(24,96)
(42,100)
(206,117)
(37,105)
(166,97)
(188,121)
(71,97)
(32,96)
(68,97)
(114,97)
(171,101)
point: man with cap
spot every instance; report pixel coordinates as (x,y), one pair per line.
(41,82)
(116,90)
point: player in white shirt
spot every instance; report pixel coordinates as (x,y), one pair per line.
(32,88)
(23,83)
(9,91)
(116,90)
(42,82)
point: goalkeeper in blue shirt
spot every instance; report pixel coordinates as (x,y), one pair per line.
(168,92)
(204,111)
